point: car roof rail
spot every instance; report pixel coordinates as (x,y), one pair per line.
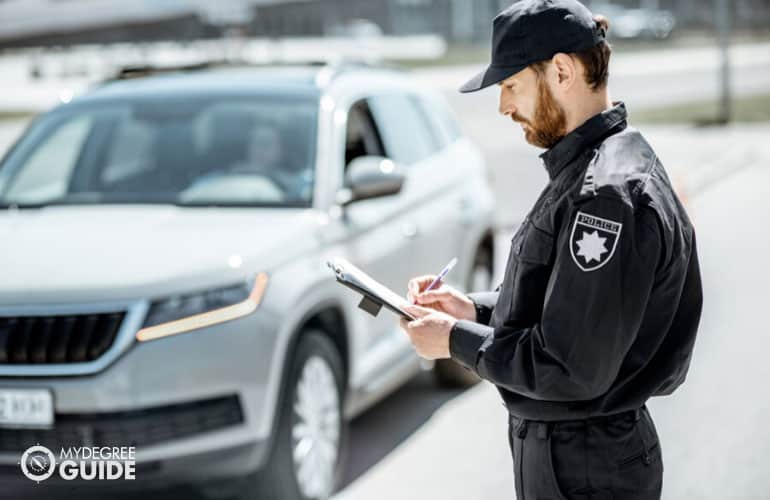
(143,70)
(330,68)
(337,66)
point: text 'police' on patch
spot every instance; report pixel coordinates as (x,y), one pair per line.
(593,241)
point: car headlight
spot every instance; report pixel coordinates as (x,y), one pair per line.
(184,313)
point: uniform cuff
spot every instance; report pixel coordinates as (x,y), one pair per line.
(484,303)
(465,339)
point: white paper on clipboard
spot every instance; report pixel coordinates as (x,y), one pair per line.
(375,294)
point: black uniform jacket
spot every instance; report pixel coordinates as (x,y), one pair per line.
(601,298)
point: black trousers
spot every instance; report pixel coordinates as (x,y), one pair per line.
(617,457)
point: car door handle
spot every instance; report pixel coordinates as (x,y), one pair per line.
(410,230)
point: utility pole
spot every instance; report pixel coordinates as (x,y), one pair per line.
(723,28)
(462,20)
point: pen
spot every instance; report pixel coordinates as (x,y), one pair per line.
(443,273)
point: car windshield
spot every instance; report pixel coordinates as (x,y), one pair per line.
(256,151)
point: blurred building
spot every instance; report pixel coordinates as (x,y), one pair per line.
(746,14)
(469,20)
(64,22)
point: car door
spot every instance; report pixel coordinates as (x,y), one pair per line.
(433,177)
(380,234)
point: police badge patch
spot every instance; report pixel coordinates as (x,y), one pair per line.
(593,241)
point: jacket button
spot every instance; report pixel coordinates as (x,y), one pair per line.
(647,459)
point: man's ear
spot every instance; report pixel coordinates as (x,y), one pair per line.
(565,70)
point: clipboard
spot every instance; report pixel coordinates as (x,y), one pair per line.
(375,294)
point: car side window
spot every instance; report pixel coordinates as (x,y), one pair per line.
(406,132)
(443,121)
(361,136)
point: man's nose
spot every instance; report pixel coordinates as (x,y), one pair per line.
(506,107)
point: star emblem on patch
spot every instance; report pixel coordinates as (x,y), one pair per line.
(591,246)
(593,240)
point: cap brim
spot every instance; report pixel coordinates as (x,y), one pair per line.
(490,76)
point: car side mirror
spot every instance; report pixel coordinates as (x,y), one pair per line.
(369,177)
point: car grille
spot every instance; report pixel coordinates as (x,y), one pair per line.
(129,428)
(57,339)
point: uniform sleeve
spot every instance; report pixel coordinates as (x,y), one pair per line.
(594,303)
(484,302)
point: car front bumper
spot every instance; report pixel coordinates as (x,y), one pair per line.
(197,406)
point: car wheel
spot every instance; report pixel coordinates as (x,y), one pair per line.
(447,372)
(305,462)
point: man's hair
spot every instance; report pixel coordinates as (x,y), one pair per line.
(595,61)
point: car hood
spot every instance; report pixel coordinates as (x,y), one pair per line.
(68,254)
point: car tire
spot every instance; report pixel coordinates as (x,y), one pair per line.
(310,423)
(446,371)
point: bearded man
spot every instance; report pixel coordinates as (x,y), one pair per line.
(601,298)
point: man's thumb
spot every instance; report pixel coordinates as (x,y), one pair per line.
(418,311)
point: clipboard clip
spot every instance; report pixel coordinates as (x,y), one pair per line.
(370,301)
(336,269)
(370,306)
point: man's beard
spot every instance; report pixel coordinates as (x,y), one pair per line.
(550,121)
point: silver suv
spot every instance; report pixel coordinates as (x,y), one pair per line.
(164,281)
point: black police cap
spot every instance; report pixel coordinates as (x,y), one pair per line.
(534,30)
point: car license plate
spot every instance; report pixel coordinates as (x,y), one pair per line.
(26,408)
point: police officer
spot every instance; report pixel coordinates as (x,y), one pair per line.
(601,297)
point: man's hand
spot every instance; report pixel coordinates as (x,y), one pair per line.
(443,298)
(429,332)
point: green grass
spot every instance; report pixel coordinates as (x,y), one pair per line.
(749,109)
(15,115)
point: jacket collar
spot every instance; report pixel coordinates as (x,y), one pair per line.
(574,143)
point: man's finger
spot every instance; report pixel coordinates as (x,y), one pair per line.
(419,280)
(418,311)
(427,283)
(433,296)
(422,282)
(416,323)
